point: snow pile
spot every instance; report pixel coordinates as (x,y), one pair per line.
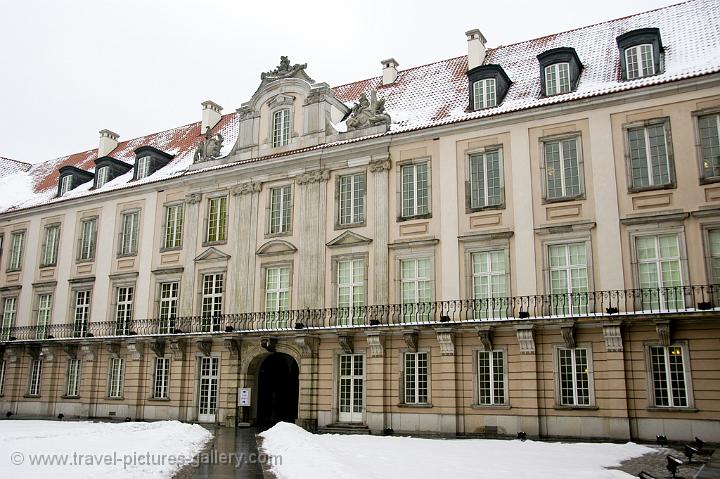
(331,456)
(14,189)
(107,450)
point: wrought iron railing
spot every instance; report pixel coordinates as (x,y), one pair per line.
(572,305)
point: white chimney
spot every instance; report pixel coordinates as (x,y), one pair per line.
(211,115)
(108,142)
(390,72)
(476,48)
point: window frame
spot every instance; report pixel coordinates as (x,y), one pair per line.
(92,241)
(706,230)
(116,379)
(66,184)
(40,308)
(286,208)
(687,373)
(73,304)
(476,378)
(211,322)
(285,137)
(12,314)
(484,151)
(222,219)
(75,391)
(362,220)
(577,136)
(34,378)
(414,163)
(177,229)
(171,319)
(484,89)
(640,63)
(44,262)
(665,122)
(128,241)
(15,260)
(143,167)
(164,386)
(105,169)
(656,232)
(3,368)
(403,378)
(592,404)
(556,69)
(697,115)
(336,260)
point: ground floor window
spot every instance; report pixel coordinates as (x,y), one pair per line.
(669,382)
(416,378)
(35,372)
(162,374)
(115,380)
(2,377)
(73,377)
(351,388)
(491,377)
(574,369)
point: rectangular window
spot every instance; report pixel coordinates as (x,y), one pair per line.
(50,246)
(415,188)
(2,377)
(212,301)
(714,247)
(217,219)
(486,179)
(124,309)
(277,288)
(562,169)
(8,319)
(491,377)
(639,61)
(72,382)
(280,209)
(44,313)
(709,128)
(82,313)
(35,374)
(416,288)
(143,167)
(17,245)
(484,94)
(168,306)
(66,184)
(649,161)
(115,379)
(173,226)
(574,377)
(281,128)
(489,282)
(129,233)
(102,176)
(352,199)
(557,79)
(162,376)
(568,266)
(416,378)
(668,376)
(88,237)
(659,271)
(350,290)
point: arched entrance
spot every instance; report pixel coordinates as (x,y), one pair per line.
(278,387)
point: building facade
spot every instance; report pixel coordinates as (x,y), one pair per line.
(523,238)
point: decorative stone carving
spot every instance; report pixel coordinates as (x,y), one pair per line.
(233,346)
(158,348)
(208,148)
(136,350)
(526,339)
(46,353)
(268,344)
(368,113)
(315,176)
(193,198)
(485,334)
(177,348)
(113,349)
(70,350)
(346,343)
(613,336)
(379,165)
(375,344)
(663,331)
(446,341)
(307,345)
(568,334)
(10,353)
(205,347)
(247,188)
(34,352)
(88,352)
(411,340)
(284,70)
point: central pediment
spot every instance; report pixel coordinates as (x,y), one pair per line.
(212,254)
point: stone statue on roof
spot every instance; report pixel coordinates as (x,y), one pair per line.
(209,147)
(283,70)
(368,113)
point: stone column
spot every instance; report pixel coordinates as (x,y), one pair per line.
(193,226)
(380,169)
(312,207)
(243,256)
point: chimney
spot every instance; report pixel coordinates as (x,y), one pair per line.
(476,48)
(211,115)
(390,72)
(108,142)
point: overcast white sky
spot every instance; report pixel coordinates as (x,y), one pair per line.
(70,68)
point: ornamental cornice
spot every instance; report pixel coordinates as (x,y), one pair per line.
(315,176)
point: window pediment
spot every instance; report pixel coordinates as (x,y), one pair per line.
(276,247)
(348,238)
(212,254)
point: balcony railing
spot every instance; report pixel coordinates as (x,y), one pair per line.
(616,303)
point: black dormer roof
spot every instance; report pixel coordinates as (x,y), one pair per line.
(560,55)
(117,167)
(158,159)
(78,176)
(502,81)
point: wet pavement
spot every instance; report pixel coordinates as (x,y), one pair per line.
(233,453)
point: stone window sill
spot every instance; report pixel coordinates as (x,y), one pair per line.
(491,406)
(422,406)
(121,398)
(31,395)
(214,243)
(576,408)
(159,399)
(69,397)
(671,409)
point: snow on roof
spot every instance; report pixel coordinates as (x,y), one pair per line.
(9,166)
(433,94)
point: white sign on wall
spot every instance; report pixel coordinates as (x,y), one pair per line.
(243,396)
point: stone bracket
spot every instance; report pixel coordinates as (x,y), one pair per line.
(612,332)
(205,346)
(88,351)
(568,334)
(411,340)
(113,349)
(34,352)
(70,350)
(10,353)
(158,347)
(136,350)
(526,339)
(177,348)
(663,331)
(47,353)
(375,342)
(446,341)
(268,344)
(307,345)
(346,343)
(233,346)
(485,334)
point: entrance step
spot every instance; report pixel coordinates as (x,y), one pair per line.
(344,428)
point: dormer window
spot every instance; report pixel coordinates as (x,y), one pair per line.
(281,128)
(148,160)
(70,178)
(101,176)
(143,168)
(640,53)
(484,95)
(107,169)
(488,86)
(66,184)
(560,70)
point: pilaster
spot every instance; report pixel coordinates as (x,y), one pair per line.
(311,221)
(380,171)
(192,219)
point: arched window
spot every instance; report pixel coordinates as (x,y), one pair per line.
(281,128)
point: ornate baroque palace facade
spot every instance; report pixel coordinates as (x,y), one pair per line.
(523,238)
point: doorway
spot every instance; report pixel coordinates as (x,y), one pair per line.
(278,388)
(208,393)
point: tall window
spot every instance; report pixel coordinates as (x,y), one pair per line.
(709,126)
(416,288)
(65,184)
(35,374)
(574,376)
(415,187)
(102,176)
(143,167)
(280,209)
(486,179)
(82,313)
(50,245)
(489,282)
(416,378)
(659,271)
(168,306)
(72,382)
(281,128)
(639,61)
(568,278)
(8,319)
(484,94)
(352,199)
(217,219)
(173,226)
(557,78)
(88,238)
(350,290)
(212,301)
(124,309)
(562,169)
(668,376)
(2,377)
(491,377)
(277,288)
(162,376)
(17,244)
(129,234)
(44,312)
(649,156)
(115,378)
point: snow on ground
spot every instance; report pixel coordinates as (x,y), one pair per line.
(97,450)
(306,455)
